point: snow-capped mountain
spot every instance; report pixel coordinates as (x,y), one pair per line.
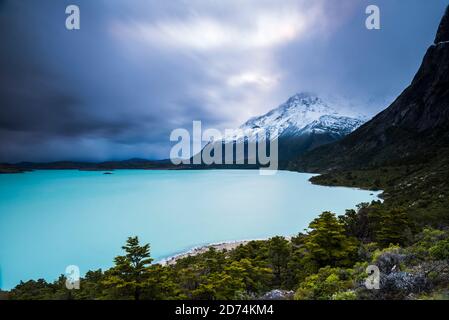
(303,114)
(304,122)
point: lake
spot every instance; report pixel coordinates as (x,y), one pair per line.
(50,219)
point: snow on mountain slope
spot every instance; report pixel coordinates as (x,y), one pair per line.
(302,114)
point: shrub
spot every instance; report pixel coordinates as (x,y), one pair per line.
(326,284)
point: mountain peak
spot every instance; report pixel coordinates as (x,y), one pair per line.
(305,100)
(306,96)
(443,29)
(301,124)
(302,113)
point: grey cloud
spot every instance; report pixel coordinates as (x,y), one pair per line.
(98,94)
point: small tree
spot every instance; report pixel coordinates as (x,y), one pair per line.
(278,255)
(394,228)
(132,270)
(328,283)
(256,279)
(361,224)
(328,243)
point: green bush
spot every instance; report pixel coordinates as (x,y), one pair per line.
(326,284)
(440,251)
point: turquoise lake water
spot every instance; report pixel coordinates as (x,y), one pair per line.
(52,219)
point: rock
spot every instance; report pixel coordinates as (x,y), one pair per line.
(404,283)
(278,294)
(396,286)
(443,30)
(389,261)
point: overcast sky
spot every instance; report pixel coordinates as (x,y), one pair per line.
(138,69)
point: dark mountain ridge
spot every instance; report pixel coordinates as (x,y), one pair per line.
(415,128)
(404,150)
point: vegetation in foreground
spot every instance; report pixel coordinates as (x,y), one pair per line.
(329,261)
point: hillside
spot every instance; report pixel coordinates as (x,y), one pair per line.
(414,129)
(404,150)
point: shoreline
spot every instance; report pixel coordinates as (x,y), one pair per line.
(219,246)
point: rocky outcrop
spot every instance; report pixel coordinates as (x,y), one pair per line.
(443,30)
(416,125)
(278,295)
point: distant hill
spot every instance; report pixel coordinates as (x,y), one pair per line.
(89,166)
(7,168)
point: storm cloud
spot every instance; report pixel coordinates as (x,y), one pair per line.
(138,69)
